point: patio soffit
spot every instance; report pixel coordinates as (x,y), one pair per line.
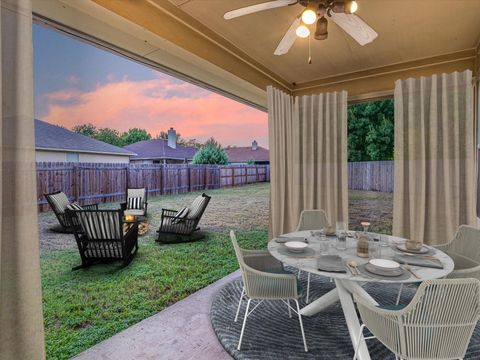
(415,38)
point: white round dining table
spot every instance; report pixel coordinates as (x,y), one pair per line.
(348,284)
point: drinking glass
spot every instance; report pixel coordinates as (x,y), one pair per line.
(373,250)
(383,240)
(341,235)
(324,244)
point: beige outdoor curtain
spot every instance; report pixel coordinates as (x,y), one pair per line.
(21,320)
(435,157)
(308,157)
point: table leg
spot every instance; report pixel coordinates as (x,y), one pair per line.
(320,304)
(355,288)
(353,324)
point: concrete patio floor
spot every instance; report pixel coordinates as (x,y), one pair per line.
(180,332)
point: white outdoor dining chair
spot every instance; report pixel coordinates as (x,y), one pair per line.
(464,249)
(311,220)
(437,324)
(260,283)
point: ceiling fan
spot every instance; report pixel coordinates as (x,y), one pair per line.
(340,12)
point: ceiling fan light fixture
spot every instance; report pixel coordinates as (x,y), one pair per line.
(321,31)
(338,7)
(309,15)
(302,31)
(351,7)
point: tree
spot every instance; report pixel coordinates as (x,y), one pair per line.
(110,136)
(85,129)
(380,141)
(135,135)
(370,131)
(211,153)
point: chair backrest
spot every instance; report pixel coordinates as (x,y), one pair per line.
(198,206)
(440,319)
(312,220)
(467,242)
(100,224)
(238,250)
(239,255)
(137,192)
(58,201)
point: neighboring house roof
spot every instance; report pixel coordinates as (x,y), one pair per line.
(53,137)
(159,149)
(246,154)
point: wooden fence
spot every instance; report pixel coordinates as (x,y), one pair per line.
(88,183)
(91,182)
(371,176)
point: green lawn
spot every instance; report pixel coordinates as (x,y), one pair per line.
(84,307)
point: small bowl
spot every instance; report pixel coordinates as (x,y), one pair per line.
(413,245)
(384,264)
(296,246)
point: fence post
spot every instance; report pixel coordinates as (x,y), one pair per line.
(76,190)
(127,178)
(205,167)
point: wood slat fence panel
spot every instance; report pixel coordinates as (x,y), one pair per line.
(371,176)
(88,183)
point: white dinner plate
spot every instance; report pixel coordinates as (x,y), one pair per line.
(296,246)
(384,264)
(383,272)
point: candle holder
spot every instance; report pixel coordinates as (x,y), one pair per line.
(130,218)
(365,225)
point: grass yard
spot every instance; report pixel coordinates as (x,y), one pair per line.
(84,307)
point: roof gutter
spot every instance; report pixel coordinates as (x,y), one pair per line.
(85,151)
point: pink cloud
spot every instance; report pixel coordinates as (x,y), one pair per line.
(157,105)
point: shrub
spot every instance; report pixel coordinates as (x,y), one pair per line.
(211,153)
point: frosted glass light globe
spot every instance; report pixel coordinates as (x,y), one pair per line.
(302,31)
(309,16)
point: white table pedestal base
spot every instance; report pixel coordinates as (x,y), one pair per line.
(344,293)
(321,303)
(351,318)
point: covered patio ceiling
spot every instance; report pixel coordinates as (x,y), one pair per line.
(236,56)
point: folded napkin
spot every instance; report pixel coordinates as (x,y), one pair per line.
(419,261)
(331,263)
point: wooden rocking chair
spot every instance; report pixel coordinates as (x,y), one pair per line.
(174,229)
(101,238)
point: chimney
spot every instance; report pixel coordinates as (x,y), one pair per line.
(172,138)
(254,145)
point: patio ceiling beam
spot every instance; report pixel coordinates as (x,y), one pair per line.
(379,82)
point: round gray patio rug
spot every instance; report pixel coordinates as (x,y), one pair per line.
(271,334)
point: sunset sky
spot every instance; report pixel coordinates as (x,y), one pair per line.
(76,83)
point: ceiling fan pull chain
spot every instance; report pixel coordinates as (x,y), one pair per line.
(310,49)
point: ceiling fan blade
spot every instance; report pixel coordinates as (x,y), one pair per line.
(355,27)
(288,39)
(259,7)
